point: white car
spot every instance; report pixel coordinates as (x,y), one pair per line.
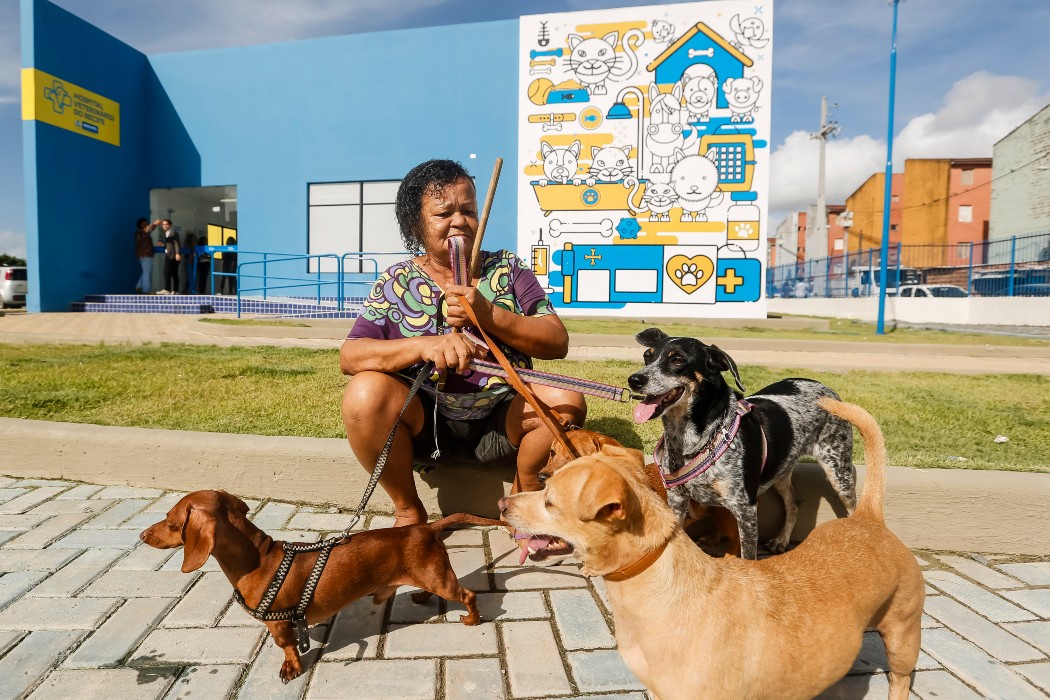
(12,286)
(932,290)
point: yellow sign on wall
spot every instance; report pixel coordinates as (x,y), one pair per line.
(60,103)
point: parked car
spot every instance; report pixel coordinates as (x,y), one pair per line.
(931,290)
(12,286)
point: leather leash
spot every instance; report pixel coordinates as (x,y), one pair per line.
(550,418)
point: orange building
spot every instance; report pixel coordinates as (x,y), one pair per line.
(866,205)
(947,206)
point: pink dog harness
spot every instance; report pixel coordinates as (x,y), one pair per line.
(711,453)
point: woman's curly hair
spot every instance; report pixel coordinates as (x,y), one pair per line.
(426,178)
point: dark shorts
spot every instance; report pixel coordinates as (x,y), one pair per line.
(480,442)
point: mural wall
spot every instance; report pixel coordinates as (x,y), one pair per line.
(644,152)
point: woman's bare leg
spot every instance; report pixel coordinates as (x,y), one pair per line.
(526,430)
(371,403)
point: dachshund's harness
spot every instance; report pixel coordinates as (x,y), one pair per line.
(298,614)
(712,451)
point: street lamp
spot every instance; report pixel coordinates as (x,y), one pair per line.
(880,328)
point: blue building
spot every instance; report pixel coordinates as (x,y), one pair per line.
(307,132)
(298,148)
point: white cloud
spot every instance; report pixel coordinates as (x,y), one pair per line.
(795,162)
(976,112)
(13,243)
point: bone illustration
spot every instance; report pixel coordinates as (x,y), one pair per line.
(535,53)
(604,227)
(543,62)
(551,127)
(535,71)
(695,53)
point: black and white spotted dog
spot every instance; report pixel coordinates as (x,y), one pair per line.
(721,450)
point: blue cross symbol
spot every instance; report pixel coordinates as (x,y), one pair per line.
(60,99)
(590,196)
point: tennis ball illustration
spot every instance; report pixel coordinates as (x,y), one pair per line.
(539,89)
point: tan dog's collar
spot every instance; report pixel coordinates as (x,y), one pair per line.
(647,560)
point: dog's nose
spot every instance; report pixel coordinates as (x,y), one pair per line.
(637,381)
(542,477)
(503,503)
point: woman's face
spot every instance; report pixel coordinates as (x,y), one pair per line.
(452,211)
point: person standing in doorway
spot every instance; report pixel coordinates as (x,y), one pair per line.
(144,252)
(229,266)
(172,258)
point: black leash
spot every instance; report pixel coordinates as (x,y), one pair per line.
(298,614)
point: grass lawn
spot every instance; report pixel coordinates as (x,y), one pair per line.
(930,420)
(840,329)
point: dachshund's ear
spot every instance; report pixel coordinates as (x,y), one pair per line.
(722,362)
(199,536)
(651,337)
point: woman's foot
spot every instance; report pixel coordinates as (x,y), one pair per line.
(404,517)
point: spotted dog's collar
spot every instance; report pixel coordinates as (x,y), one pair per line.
(711,452)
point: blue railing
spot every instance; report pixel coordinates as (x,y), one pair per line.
(1015,267)
(280,272)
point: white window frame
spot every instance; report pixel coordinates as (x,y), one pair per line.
(965,213)
(353,199)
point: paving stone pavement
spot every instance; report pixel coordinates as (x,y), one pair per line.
(87,611)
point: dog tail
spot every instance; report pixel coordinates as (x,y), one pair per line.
(458,518)
(870,504)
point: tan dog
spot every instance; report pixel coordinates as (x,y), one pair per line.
(587,442)
(213,523)
(691,626)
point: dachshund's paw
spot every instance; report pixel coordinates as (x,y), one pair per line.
(290,670)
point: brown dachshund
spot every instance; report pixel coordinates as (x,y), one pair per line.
(377,561)
(588,442)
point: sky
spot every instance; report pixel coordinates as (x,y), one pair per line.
(968,72)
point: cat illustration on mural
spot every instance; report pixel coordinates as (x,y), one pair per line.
(695,181)
(610,164)
(659,195)
(560,164)
(595,60)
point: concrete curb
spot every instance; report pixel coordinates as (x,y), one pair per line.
(956,510)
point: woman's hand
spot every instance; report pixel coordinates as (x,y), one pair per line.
(451,351)
(457,315)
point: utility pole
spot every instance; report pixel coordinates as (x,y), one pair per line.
(820,226)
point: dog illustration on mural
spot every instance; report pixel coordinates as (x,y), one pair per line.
(666,130)
(595,60)
(742,95)
(695,181)
(699,89)
(560,164)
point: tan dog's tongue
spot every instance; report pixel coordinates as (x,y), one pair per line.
(645,410)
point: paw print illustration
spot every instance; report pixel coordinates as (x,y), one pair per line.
(744,230)
(687,275)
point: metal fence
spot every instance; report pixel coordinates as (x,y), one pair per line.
(1013,267)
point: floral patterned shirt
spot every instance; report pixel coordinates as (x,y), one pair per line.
(405,302)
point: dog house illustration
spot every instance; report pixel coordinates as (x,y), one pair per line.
(601,196)
(700,45)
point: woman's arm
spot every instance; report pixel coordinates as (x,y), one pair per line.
(450,351)
(540,337)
